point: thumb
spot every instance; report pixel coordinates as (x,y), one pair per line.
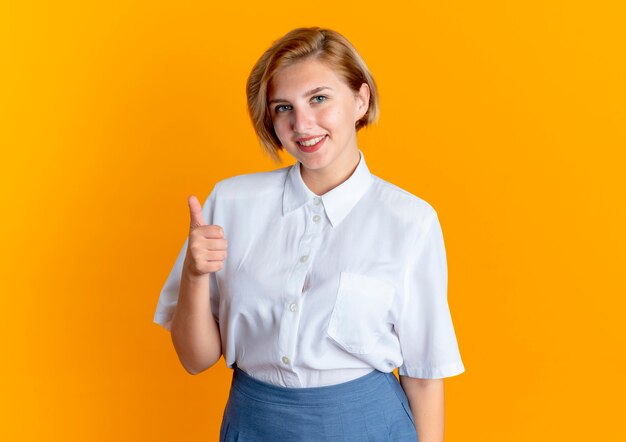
(195,212)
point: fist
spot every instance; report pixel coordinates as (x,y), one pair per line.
(206,250)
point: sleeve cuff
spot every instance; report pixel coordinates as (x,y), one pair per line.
(442,371)
(164,321)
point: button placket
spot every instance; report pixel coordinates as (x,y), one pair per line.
(309,242)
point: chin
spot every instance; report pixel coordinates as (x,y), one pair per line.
(314,162)
(308,159)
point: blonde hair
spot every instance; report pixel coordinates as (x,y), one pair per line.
(325,45)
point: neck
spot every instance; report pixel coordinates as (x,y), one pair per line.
(322,181)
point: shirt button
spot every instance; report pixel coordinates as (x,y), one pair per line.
(285,360)
(317,218)
(293,307)
(317,201)
(304,258)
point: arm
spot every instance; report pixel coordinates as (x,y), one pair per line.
(195,334)
(426,400)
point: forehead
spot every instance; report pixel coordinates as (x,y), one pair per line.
(303,76)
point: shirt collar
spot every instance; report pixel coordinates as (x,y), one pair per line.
(338,202)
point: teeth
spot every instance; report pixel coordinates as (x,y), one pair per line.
(310,142)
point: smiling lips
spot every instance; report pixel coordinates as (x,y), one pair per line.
(311,142)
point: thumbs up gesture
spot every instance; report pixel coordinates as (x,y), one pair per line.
(206,250)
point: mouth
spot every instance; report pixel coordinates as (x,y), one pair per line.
(310,141)
(312,144)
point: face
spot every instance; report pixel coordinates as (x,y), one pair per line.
(308,101)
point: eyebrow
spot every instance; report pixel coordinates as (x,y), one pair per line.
(306,94)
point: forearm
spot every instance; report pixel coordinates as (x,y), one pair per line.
(195,334)
(426,400)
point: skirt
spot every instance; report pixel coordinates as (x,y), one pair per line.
(370,408)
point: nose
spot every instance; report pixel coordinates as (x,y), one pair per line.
(302,120)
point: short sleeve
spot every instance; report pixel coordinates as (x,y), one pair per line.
(168,297)
(425,329)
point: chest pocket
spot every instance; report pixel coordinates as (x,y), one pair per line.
(359,316)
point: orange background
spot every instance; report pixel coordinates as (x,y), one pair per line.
(507,116)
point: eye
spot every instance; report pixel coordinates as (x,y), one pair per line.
(278,108)
(321,96)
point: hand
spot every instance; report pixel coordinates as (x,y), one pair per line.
(206,250)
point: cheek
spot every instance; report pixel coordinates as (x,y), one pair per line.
(332,117)
(280,126)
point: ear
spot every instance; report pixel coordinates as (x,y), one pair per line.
(362,101)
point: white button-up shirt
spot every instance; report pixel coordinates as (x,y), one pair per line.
(318,290)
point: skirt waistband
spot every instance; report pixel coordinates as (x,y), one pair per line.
(353,390)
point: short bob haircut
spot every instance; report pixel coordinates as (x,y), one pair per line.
(325,45)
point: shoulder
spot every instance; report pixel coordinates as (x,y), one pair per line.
(252,184)
(402,202)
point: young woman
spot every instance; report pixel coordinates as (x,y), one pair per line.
(330,278)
